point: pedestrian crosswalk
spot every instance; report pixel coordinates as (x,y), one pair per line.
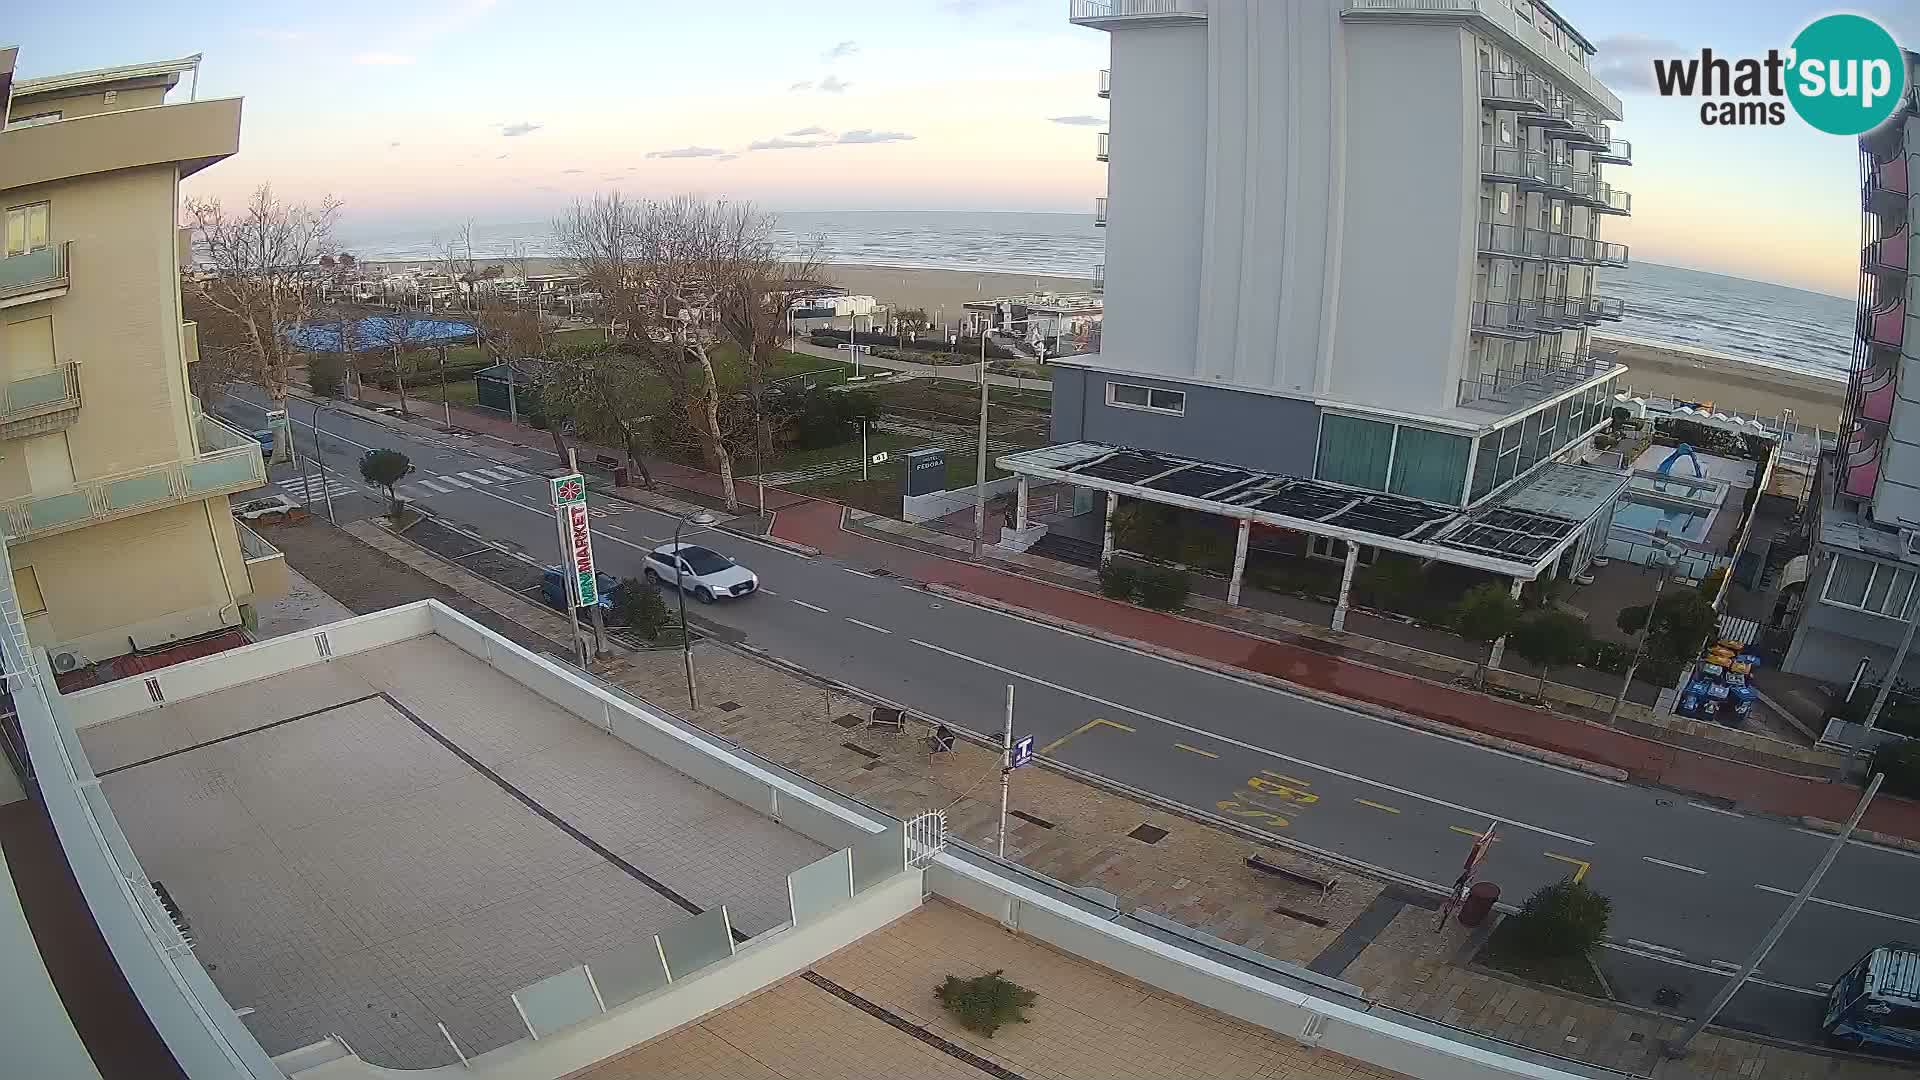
(311,489)
(446,483)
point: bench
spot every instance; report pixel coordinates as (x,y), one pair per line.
(606,461)
(1324,884)
(887,720)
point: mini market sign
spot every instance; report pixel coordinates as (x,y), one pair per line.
(570,511)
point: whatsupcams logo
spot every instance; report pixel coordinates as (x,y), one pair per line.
(1843,75)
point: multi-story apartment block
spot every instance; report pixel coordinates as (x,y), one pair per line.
(1355,243)
(114,484)
(1865,551)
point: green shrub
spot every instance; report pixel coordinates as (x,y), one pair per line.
(1901,763)
(1118,582)
(1566,918)
(1163,590)
(639,607)
(985,1002)
(326,372)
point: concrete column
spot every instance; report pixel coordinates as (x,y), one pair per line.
(1239,562)
(1020,505)
(1500,646)
(1106,539)
(1346,586)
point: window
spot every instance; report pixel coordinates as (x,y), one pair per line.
(1484,465)
(1326,547)
(26,228)
(1354,451)
(1132,396)
(1875,588)
(1506,200)
(34,120)
(26,587)
(1430,465)
(1506,133)
(1557,208)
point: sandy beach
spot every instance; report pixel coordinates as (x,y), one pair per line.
(1655,369)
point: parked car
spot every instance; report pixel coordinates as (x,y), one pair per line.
(265,439)
(553,588)
(705,573)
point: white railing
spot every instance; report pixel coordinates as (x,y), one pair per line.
(253,545)
(1119,9)
(1502,16)
(1100,210)
(1106,83)
(49,391)
(33,271)
(926,838)
(1100,154)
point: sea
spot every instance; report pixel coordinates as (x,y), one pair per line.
(1755,321)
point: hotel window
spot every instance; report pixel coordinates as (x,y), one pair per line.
(1875,588)
(1557,208)
(1130,396)
(1430,465)
(1354,452)
(1506,200)
(26,228)
(1506,133)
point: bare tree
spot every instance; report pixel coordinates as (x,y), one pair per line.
(748,280)
(400,335)
(258,266)
(608,394)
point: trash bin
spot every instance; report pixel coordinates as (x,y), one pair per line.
(1480,901)
(621,478)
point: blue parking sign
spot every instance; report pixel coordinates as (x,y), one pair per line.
(1022,752)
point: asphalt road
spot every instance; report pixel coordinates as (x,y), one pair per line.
(1694,886)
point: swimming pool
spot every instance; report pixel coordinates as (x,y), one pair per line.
(378,331)
(1643,517)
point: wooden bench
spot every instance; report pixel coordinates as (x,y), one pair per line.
(887,720)
(607,461)
(1324,884)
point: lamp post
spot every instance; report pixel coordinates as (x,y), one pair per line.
(699,519)
(980,463)
(319,455)
(1672,553)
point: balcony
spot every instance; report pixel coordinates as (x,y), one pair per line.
(1509,165)
(1106,84)
(1508,390)
(1605,308)
(1511,241)
(1520,91)
(266,565)
(1885,327)
(1562,313)
(1582,132)
(1100,152)
(1593,191)
(192,135)
(1521,319)
(1889,254)
(1873,394)
(1886,188)
(1515,31)
(1617,152)
(1557,116)
(228,461)
(1100,212)
(1601,253)
(40,403)
(36,275)
(1109,14)
(1099,278)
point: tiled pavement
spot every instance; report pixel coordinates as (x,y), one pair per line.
(346,872)
(1087,1024)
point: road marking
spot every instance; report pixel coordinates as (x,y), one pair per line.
(510,471)
(1828,837)
(477,478)
(455,481)
(870,626)
(1194,750)
(1377,806)
(1215,736)
(494,474)
(1655,948)
(1676,961)
(1086,727)
(1284,776)
(1841,906)
(1715,809)
(768,592)
(1727,965)
(1578,875)
(1475,833)
(810,607)
(856,573)
(1674,865)
(431,484)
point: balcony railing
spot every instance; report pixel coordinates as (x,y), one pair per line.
(1516,319)
(1106,83)
(1562,313)
(266,565)
(1617,152)
(1100,212)
(228,461)
(1585,133)
(1522,91)
(1511,241)
(1511,165)
(1592,190)
(32,406)
(1100,153)
(34,275)
(1500,16)
(1533,380)
(1601,253)
(1099,278)
(1093,11)
(1605,307)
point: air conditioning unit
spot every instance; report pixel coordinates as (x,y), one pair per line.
(65,660)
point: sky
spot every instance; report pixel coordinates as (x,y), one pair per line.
(424,113)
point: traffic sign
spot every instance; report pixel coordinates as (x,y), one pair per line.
(1022,753)
(879,458)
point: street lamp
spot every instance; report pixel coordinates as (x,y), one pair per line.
(855,350)
(1672,551)
(980,461)
(698,520)
(319,455)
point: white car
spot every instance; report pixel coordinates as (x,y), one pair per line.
(704,572)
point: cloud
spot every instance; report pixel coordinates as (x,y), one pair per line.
(868,135)
(804,84)
(392,145)
(726,157)
(788,144)
(382,59)
(687,152)
(503,157)
(1082,120)
(845,48)
(1625,61)
(569,172)
(521,128)
(833,85)
(815,130)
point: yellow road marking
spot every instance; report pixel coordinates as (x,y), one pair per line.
(1583,865)
(1376,806)
(1288,779)
(1475,833)
(1194,750)
(1083,728)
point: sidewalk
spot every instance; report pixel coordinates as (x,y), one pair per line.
(1372,935)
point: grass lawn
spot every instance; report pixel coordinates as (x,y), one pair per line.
(880,493)
(846,451)
(961,401)
(1573,973)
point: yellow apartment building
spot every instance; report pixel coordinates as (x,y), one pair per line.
(114,484)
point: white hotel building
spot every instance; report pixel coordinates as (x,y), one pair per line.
(1352,246)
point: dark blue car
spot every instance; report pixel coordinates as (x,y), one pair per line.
(553,588)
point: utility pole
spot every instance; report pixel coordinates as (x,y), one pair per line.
(863,463)
(1899,659)
(1678,1047)
(320,456)
(513,405)
(980,463)
(444,403)
(1006,769)
(1660,534)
